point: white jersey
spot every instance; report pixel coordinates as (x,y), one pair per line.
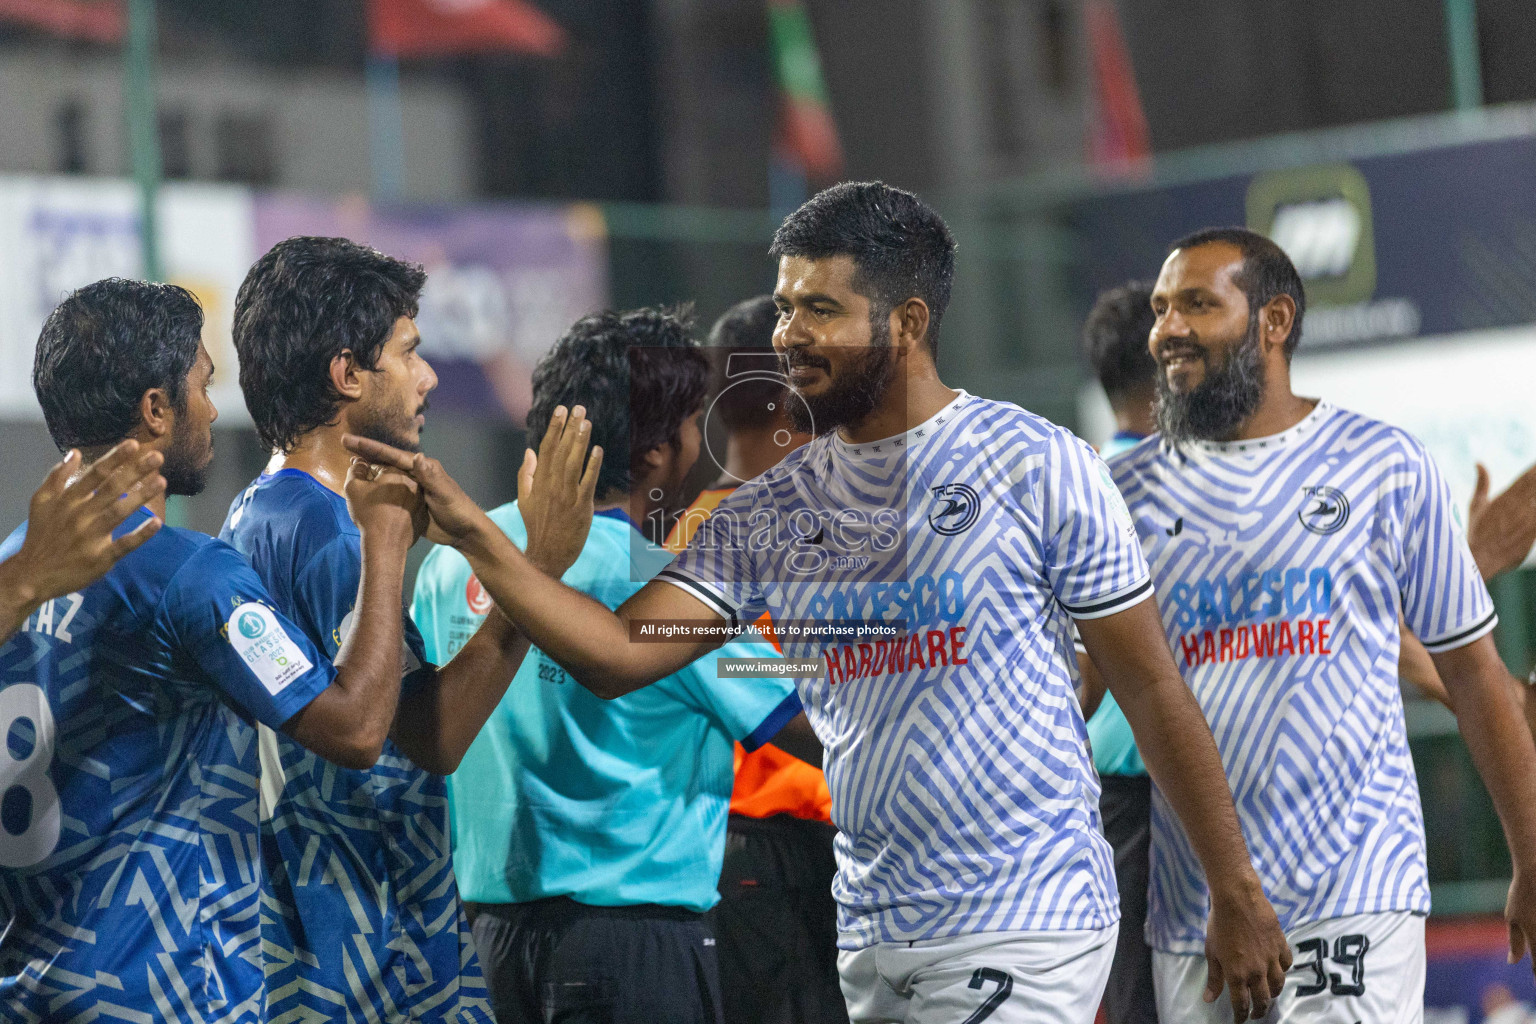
(1282,565)
(955,749)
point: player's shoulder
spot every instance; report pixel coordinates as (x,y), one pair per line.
(1355,429)
(1136,457)
(174,566)
(1006,423)
(293,500)
(774,483)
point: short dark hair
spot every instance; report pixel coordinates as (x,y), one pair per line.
(640,374)
(900,246)
(1115,339)
(301,305)
(1267,272)
(103,347)
(746,327)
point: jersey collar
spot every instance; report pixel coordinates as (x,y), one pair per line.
(1252,445)
(896,443)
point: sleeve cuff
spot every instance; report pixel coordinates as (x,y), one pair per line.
(710,596)
(779,717)
(1462,637)
(1102,606)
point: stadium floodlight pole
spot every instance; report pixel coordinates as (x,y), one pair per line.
(143,125)
(1466,58)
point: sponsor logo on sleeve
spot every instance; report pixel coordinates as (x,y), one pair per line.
(266,648)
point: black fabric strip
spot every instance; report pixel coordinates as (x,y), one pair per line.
(1089,609)
(709,596)
(1450,641)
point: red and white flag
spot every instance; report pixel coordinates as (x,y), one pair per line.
(99,21)
(433,28)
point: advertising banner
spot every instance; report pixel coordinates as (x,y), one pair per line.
(1469,979)
(1437,241)
(504,280)
(1420,271)
(503,283)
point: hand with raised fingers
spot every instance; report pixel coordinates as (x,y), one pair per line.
(69,542)
(455,518)
(385,503)
(1245,950)
(1501,530)
(1520,914)
(555,491)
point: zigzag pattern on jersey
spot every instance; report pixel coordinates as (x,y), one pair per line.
(156,919)
(322,829)
(964,793)
(1314,746)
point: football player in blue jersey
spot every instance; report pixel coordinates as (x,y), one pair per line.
(1289,540)
(72,528)
(129,774)
(973,881)
(361,915)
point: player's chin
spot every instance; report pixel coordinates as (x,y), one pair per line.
(1184,380)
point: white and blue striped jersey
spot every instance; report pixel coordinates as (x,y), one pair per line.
(955,750)
(1282,565)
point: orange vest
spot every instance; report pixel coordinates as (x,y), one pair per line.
(768,781)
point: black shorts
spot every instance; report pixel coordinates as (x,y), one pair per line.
(556,961)
(1126,807)
(777,923)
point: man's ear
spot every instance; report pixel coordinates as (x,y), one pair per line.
(346,374)
(1279,318)
(157,414)
(653,459)
(909,324)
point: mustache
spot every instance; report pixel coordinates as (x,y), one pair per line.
(425,405)
(792,360)
(1183,347)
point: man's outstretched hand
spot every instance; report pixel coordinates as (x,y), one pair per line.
(455,518)
(1501,530)
(69,542)
(555,493)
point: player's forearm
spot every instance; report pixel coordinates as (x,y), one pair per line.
(437,723)
(1415,665)
(17,597)
(582,635)
(1500,743)
(1090,693)
(1176,745)
(368,664)
(798,739)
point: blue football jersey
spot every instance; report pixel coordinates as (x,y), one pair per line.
(361,919)
(130,881)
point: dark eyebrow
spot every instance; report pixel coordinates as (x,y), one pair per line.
(822,298)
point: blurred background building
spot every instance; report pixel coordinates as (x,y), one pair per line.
(547,157)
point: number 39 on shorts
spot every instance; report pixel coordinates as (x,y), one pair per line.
(29,804)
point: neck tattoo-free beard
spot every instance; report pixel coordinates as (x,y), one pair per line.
(391,425)
(1219,404)
(850,396)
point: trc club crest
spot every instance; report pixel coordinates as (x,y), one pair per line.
(1324,509)
(957,511)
